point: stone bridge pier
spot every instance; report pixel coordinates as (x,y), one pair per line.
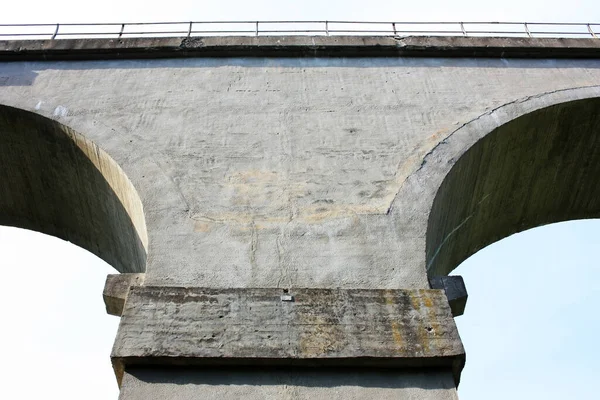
(284,211)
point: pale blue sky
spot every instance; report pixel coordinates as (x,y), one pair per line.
(531,321)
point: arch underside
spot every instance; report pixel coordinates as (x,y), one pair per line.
(540,168)
(54,181)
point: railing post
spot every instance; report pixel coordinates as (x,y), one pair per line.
(190,29)
(256,28)
(394,29)
(327,28)
(527,29)
(462,28)
(122,29)
(55,31)
(591,31)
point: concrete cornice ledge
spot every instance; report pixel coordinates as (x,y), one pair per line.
(298,46)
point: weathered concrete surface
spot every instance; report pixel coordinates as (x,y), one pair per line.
(306,327)
(455,290)
(289,172)
(287,383)
(116,290)
(298,46)
(54,180)
(537,169)
(316,172)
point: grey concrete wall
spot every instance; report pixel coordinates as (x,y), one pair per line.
(540,168)
(259,384)
(304,173)
(282,172)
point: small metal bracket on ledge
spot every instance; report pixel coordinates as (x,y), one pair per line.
(116,290)
(456,292)
(287,296)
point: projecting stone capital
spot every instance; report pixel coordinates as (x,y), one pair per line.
(166,326)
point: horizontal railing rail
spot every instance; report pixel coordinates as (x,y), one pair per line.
(321,28)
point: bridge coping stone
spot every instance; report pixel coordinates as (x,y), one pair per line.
(299,46)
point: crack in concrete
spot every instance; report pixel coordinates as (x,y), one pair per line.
(487,113)
(453,231)
(253,245)
(282,269)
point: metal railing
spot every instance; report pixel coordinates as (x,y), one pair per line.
(321,28)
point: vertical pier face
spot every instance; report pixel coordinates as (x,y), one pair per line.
(304,198)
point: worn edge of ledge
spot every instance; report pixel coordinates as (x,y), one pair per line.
(298,46)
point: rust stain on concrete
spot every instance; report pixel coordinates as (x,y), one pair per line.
(323,337)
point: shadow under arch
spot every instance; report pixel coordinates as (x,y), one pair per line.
(539,168)
(55,181)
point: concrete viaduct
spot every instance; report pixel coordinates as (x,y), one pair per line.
(285,210)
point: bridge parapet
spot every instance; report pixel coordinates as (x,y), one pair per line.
(299,46)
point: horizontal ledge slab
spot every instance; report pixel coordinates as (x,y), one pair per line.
(298,46)
(456,292)
(116,289)
(176,326)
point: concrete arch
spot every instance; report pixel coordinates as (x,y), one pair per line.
(527,163)
(55,181)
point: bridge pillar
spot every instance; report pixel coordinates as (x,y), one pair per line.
(291,205)
(269,343)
